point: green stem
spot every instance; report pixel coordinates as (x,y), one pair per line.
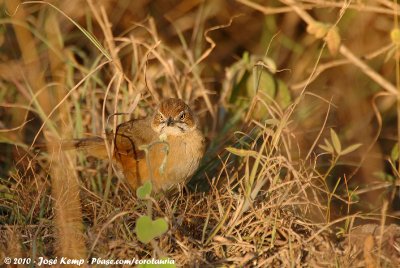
(333,164)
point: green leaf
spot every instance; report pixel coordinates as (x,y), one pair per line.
(261,79)
(351,148)
(146,229)
(336,142)
(143,192)
(241,152)
(246,57)
(394,155)
(354,197)
(326,148)
(283,96)
(384,176)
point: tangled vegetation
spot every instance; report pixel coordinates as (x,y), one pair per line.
(298,101)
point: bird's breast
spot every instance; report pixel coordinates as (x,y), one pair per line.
(184,156)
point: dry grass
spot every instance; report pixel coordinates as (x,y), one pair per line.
(266,194)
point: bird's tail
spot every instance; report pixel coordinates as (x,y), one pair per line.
(90,146)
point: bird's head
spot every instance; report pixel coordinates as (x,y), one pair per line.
(173,117)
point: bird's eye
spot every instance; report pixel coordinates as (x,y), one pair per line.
(159,117)
(183,116)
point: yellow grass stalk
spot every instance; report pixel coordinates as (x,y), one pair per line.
(65,188)
(30,58)
(67,207)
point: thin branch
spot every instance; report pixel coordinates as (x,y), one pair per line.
(346,52)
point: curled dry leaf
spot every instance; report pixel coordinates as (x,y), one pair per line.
(329,33)
(318,29)
(332,39)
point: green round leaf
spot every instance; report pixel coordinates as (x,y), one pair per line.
(144,191)
(261,79)
(147,229)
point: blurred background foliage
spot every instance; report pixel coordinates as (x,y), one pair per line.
(257,44)
(218,55)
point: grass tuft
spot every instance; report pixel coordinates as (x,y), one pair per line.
(300,170)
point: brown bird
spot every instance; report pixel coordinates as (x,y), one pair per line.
(171,137)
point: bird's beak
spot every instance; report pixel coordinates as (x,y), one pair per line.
(170,121)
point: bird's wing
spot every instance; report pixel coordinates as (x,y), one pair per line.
(131,135)
(128,139)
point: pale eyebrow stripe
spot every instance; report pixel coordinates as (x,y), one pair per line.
(163,116)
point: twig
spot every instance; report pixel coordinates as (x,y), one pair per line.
(346,52)
(368,70)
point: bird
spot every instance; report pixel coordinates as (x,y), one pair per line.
(165,148)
